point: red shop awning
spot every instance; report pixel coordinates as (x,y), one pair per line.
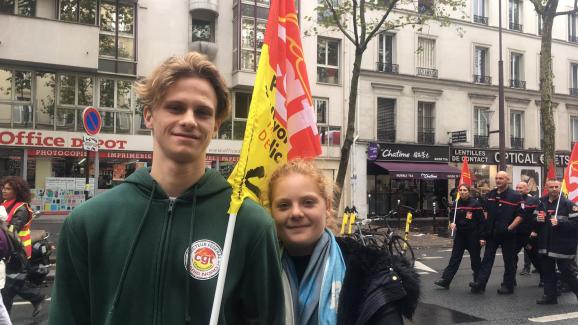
(398,170)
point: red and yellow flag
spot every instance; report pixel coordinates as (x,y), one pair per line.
(281,123)
(465,177)
(570,182)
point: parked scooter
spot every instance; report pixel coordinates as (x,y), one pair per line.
(39,263)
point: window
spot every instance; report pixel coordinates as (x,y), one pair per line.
(15,98)
(203,30)
(426,58)
(385,119)
(574,79)
(516,71)
(115,99)
(425,6)
(234,128)
(323,16)
(117,41)
(78,11)
(425,123)
(45,100)
(515,15)
(330,135)
(572,28)
(327,61)
(385,53)
(480,12)
(250,21)
(480,65)
(481,126)
(75,93)
(19,7)
(573,130)
(517,129)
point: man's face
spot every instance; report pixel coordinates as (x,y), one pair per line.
(522,188)
(183,123)
(501,180)
(553,189)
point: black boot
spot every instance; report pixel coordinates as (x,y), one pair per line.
(504,290)
(477,287)
(547,300)
(442,284)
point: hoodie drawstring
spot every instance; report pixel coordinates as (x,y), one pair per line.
(129,257)
(188,311)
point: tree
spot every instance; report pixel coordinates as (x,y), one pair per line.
(547,10)
(360,21)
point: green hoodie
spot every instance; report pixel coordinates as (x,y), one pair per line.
(122,258)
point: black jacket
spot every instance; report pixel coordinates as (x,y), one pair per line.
(20,217)
(530,204)
(377,288)
(558,241)
(502,209)
(469,216)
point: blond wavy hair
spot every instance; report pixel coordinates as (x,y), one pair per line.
(308,169)
(152,90)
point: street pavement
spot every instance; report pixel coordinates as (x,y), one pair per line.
(437,306)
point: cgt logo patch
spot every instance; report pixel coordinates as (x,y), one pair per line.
(205,259)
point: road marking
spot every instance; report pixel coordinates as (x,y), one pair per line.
(420,266)
(431,257)
(28,302)
(553,318)
(422,273)
(445,250)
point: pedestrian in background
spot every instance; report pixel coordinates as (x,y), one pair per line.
(149,250)
(503,215)
(467,230)
(330,280)
(524,240)
(557,228)
(16,194)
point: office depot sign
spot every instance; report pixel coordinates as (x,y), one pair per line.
(72,140)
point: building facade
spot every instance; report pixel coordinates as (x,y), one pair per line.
(59,56)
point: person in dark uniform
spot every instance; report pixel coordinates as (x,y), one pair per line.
(557,226)
(523,239)
(503,215)
(467,227)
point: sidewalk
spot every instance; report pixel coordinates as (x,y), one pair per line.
(420,240)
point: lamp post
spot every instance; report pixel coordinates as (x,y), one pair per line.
(501,96)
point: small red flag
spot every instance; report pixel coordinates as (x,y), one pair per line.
(570,182)
(550,175)
(465,177)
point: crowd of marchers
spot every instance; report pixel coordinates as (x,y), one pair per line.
(545,228)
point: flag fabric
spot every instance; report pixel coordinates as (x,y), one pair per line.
(281,124)
(465,177)
(550,175)
(570,181)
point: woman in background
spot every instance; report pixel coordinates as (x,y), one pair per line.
(330,280)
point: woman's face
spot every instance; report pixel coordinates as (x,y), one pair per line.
(8,192)
(464,192)
(300,213)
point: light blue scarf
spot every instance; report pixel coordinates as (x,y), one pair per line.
(318,292)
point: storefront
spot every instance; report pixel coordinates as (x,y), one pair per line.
(53,163)
(411,175)
(525,166)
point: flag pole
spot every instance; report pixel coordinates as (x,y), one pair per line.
(455,210)
(223,269)
(560,194)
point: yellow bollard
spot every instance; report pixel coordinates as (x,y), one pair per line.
(351,221)
(345,221)
(408,221)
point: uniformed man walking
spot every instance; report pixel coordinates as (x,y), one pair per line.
(557,226)
(523,240)
(503,214)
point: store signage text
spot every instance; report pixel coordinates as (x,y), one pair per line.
(406,152)
(37,139)
(82,153)
(480,156)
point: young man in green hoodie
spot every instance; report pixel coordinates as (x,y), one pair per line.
(149,250)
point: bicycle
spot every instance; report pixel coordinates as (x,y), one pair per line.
(381,237)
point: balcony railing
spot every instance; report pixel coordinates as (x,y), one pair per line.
(480,19)
(514,83)
(387,67)
(481,79)
(386,135)
(573,38)
(425,72)
(517,143)
(573,91)
(481,141)
(515,26)
(426,137)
